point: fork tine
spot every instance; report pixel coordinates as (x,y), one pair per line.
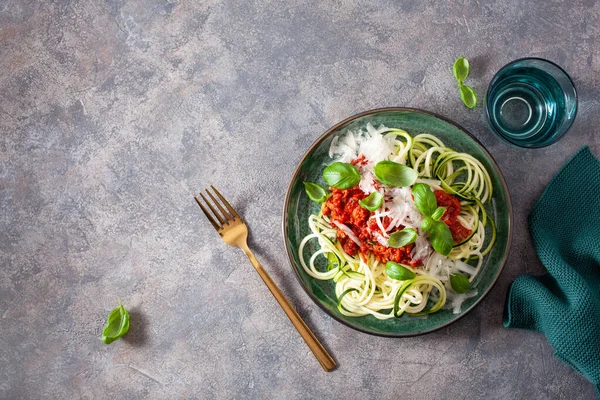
(215,212)
(231,210)
(210,218)
(225,214)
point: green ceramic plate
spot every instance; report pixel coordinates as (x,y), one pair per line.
(298,207)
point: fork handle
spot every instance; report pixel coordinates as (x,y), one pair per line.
(313,343)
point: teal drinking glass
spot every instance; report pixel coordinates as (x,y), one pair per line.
(531,102)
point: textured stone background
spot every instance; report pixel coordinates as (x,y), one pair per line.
(113,113)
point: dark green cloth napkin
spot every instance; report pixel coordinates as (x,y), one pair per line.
(565,303)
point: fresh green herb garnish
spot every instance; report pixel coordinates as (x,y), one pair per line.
(398,272)
(439,233)
(117,324)
(315,192)
(460,283)
(438,213)
(341,175)
(372,202)
(402,238)
(461,70)
(426,224)
(425,200)
(468,96)
(441,238)
(394,174)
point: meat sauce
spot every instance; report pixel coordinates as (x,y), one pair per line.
(452,204)
(343,207)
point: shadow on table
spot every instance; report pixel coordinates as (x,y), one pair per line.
(479,67)
(291,288)
(138,323)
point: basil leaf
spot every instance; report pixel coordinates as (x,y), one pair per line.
(441,238)
(315,192)
(402,238)
(468,96)
(398,272)
(117,324)
(460,283)
(372,202)
(394,174)
(461,69)
(341,175)
(425,200)
(438,213)
(427,223)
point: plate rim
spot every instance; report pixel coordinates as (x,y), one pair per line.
(327,133)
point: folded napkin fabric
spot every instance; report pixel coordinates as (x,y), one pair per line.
(565,303)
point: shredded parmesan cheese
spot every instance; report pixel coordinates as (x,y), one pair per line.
(347,231)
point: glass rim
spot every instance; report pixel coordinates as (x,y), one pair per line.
(487,96)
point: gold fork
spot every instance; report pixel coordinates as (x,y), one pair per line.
(234,232)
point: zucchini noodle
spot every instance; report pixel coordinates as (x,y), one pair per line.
(362,286)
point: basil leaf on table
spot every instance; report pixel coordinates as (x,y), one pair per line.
(468,96)
(402,238)
(398,272)
(438,213)
(461,69)
(427,223)
(372,202)
(441,238)
(341,175)
(460,283)
(315,192)
(425,200)
(117,324)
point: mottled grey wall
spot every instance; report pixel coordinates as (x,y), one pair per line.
(113,113)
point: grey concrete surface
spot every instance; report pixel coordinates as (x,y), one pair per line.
(113,113)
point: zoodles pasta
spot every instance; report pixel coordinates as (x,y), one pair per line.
(402,228)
